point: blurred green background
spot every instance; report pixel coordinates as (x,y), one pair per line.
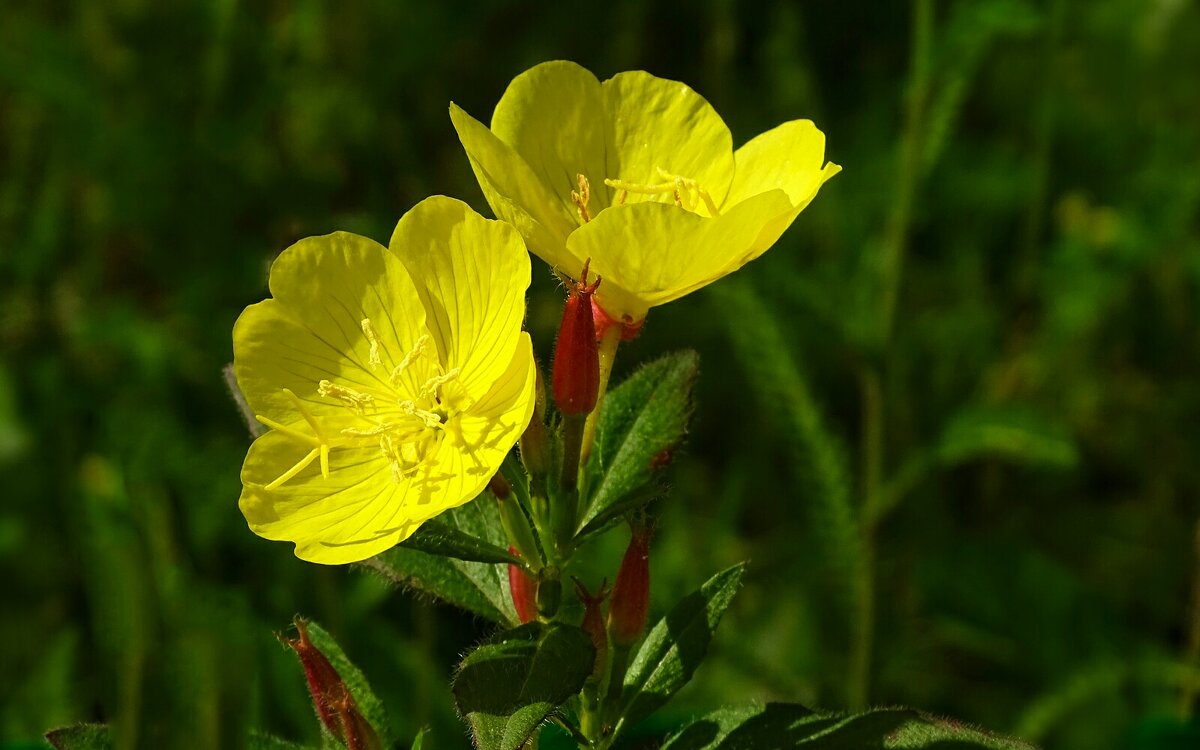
(984,331)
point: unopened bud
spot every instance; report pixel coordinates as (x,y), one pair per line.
(576,376)
(631,593)
(593,623)
(549,594)
(332,699)
(524,591)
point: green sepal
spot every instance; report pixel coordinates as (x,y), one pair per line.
(506,688)
(675,646)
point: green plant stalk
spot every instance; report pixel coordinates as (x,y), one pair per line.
(863,626)
(519,533)
(1187,694)
(566,508)
(871,380)
(608,354)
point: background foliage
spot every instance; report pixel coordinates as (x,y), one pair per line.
(951,416)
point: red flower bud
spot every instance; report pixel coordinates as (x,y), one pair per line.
(576,376)
(604,321)
(524,591)
(631,593)
(332,699)
(593,622)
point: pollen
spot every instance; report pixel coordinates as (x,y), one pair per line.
(373,338)
(352,398)
(582,197)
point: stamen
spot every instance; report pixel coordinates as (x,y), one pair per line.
(685,191)
(418,350)
(582,197)
(299,467)
(433,384)
(369,330)
(358,401)
(428,418)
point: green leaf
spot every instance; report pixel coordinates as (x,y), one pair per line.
(437,538)
(641,422)
(783,726)
(675,646)
(477,587)
(81,737)
(419,741)
(1011,432)
(368,703)
(507,687)
(263,741)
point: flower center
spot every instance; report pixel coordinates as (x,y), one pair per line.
(406,421)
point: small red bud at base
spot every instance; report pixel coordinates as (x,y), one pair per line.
(524,591)
(593,622)
(331,697)
(631,593)
(575,380)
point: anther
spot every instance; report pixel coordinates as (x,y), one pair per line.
(369,330)
(582,197)
(349,396)
(418,350)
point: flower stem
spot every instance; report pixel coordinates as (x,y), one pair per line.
(608,353)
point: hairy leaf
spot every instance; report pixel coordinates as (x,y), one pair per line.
(783,726)
(437,538)
(81,737)
(675,646)
(478,587)
(641,422)
(507,687)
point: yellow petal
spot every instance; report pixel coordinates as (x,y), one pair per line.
(324,287)
(790,157)
(515,193)
(471,274)
(480,438)
(553,116)
(666,252)
(355,513)
(661,124)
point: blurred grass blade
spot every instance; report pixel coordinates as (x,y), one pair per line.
(675,646)
(785,400)
(263,741)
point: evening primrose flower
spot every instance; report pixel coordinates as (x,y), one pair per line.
(638,174)
(393,380)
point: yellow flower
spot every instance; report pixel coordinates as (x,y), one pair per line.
(394,380)
(639,174)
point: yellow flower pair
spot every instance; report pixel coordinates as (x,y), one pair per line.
(395,380)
